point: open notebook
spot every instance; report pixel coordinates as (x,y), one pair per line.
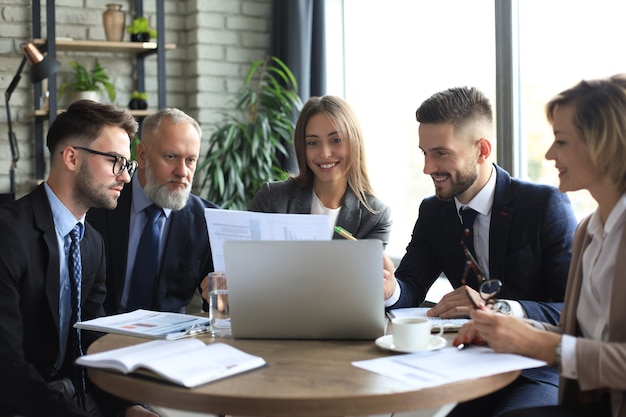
(305,289)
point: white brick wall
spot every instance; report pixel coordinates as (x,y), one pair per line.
(215,39)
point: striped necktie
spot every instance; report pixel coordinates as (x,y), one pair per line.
(76,273)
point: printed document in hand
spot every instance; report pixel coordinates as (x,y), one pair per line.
(439,367)
(187,362)
(226,225)
(150,324)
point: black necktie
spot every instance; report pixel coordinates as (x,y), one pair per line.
(76,273)
(146,262)
(469,215)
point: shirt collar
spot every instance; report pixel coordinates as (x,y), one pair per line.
(483,201)
(615,220)
(64,220)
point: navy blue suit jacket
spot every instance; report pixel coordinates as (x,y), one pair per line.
(530,241)
(186,256)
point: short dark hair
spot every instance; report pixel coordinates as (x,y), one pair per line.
(455,106)
(83,122)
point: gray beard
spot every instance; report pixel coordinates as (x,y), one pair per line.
(161,195)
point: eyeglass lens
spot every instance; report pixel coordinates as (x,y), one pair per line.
(489,289)
(121,164)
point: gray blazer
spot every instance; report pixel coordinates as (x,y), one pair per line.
(287,197)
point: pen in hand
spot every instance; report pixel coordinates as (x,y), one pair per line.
(344,233)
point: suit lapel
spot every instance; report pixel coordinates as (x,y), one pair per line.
(44,222)
(575,279)
(350,214)
(501,217)
(118,233)
(300,201)
(174,248)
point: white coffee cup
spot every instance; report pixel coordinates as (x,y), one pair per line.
(413,332)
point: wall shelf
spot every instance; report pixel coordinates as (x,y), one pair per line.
(136,113)
(103,46)
(50,44)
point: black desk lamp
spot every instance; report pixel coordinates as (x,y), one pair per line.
(41,68)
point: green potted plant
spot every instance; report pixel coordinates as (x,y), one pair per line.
(140,30)
(138,100)
(244,151)
(94,80)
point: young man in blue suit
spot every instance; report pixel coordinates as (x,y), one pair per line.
(41,282)
(167,156)
(522,235)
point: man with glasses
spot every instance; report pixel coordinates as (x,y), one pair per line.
(519,233)
(156,241)
(52,268)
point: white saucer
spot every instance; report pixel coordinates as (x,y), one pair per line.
(386,342)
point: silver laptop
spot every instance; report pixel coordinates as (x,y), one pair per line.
(305,289)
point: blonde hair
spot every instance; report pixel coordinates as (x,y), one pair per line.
(345,122)
(599,116)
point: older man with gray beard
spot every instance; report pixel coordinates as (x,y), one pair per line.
(156,241)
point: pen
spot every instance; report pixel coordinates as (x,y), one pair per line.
(344,233)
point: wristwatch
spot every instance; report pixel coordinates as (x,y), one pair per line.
(502,307)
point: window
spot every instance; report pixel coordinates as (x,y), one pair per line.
(397,53)
(560,43)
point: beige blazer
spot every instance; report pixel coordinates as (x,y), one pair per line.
(600,364)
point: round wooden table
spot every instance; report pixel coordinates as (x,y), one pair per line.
(304,378)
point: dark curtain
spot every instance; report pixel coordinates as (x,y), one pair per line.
(297,38)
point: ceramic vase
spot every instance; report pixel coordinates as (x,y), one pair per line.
(84,95)
(114,22)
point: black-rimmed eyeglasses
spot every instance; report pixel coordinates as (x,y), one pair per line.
(120,163)
(487,288)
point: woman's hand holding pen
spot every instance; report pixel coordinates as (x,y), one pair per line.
(507,334)
(467,335)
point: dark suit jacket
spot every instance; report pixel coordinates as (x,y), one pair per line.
(29,305)
(530,241)
(287,197)
(186,255)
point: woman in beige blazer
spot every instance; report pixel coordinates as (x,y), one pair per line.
(589,345)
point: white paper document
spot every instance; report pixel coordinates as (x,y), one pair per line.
(149,324)
(439,367)
(449,325)
(226,225)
